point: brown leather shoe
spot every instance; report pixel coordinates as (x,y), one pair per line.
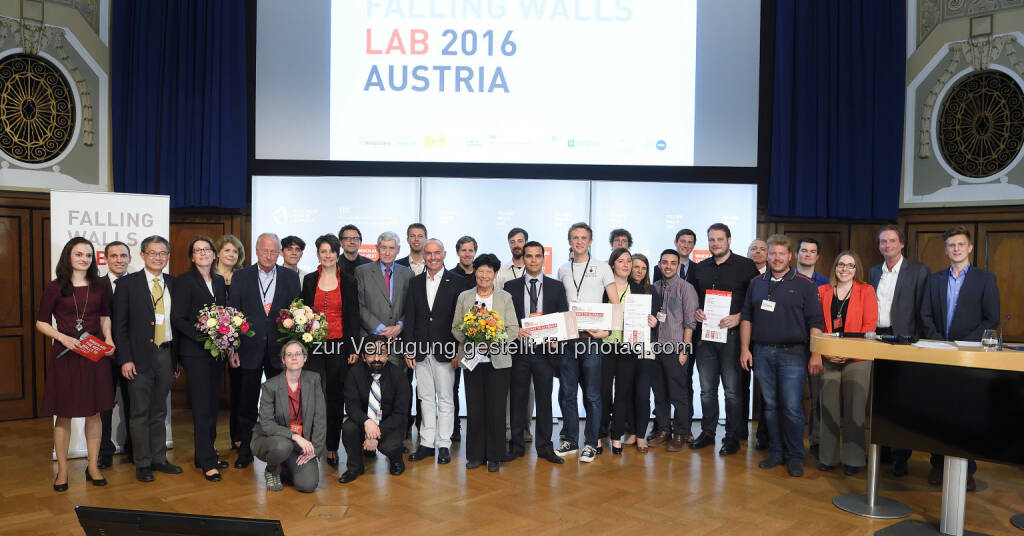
(658,440)
(676,443)
(971,484)
(935,477)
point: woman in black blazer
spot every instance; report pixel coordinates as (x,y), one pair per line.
(330,291)
(195,289)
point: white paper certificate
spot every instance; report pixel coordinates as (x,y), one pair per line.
(592,315)
(554,326)
(635,310)
(716,307)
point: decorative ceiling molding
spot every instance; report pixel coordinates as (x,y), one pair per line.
(931,13)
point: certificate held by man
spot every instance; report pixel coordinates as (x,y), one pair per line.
(550,327)
(595,316)
(716,307)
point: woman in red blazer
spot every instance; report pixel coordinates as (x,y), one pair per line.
(850,306)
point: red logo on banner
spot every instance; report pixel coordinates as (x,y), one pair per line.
(368,251)
(700,254)
(547,260)
(101,257)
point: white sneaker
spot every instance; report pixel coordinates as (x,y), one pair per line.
(273,481)
(588,454)
(565,449)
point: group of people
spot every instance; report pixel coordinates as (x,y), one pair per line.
(354,390)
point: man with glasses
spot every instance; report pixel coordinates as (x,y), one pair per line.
(144,341)
(351,238)
(259,291)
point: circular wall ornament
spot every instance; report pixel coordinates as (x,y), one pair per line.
(981,126)
(37,109)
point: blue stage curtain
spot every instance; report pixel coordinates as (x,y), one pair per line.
(179,97)
(837,129)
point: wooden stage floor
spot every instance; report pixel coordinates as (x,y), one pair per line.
(696,491)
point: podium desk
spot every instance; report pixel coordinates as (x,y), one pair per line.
(961,403)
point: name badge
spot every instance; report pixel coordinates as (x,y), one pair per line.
(536,314)
(158,319)
(295,428)
(767,305)
(837,323)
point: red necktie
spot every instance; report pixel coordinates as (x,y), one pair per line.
(387,281)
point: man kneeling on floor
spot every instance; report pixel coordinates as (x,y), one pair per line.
(377,398)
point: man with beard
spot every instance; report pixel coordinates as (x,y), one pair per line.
(416,235)
(377,399)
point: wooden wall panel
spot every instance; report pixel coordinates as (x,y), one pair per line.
(17,391)
(864,240)
(1002,245)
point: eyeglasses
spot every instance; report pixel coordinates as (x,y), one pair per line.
(842,265)
(350,239)
(157,254)
(202,251)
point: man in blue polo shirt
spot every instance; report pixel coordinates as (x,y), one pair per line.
(781,310)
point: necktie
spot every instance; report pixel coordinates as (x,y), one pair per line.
(533,295)
(158,309)
(387,281)
(373,411)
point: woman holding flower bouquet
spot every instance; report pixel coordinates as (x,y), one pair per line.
(331,292)
(198,288)
(481,314)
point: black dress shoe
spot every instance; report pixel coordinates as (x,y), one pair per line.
(333,462)
(243,461)
(761,444)
(397,467)
(456,436)
(443,456)
(143,474)
(166,467)
(215,477)
(95,481)
(899,468)
(617,451)
(221,464)
(492,467)
(60,487)
(473,464)
(729,446)
(826,467)
(515,453)
(104,461)
(702,441)
(421,453)
(551,457)
(851,470)
(349,476)
(600,450)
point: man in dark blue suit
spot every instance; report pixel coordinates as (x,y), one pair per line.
(534,294)
(959,304)
(259,291)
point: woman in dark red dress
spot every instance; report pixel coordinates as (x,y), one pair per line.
(79,302)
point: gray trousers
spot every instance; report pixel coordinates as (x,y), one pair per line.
(281,453)
(435,381)
(844,396)
(148,393)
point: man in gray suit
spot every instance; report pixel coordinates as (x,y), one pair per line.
(383,286)
(899,284)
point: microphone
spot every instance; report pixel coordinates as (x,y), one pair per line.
(1006,320)
(82,337)
(891,339)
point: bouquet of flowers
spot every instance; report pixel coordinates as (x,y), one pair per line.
(481,325)
(300,322)
(221,329)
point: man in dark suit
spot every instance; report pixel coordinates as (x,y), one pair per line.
(351,238)
(259,292)
(382,289)
(118,256)
(377,400)
(534,294)
(959,304)
(144,340)
(899,284)
(430,347)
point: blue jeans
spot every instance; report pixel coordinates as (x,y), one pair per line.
(716,362)
(582,369)
(781,373)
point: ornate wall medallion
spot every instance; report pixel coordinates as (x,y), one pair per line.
(37,109)
(981,126)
